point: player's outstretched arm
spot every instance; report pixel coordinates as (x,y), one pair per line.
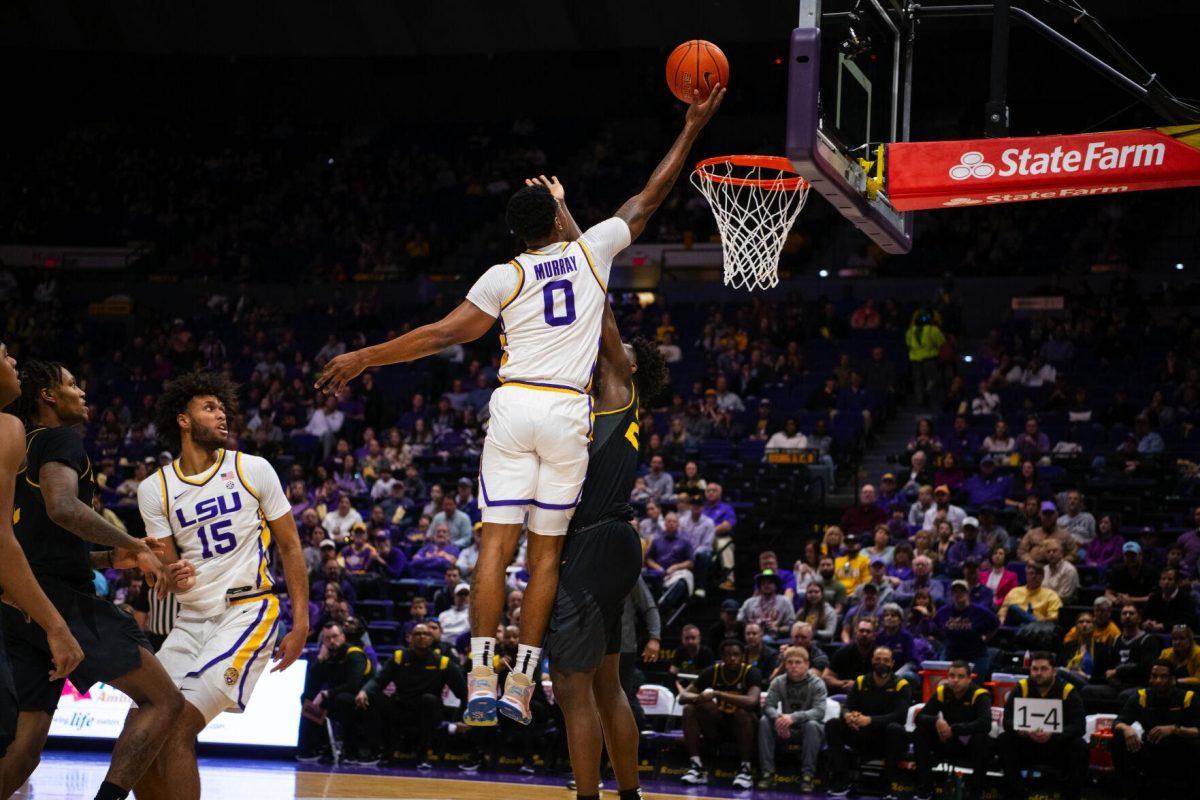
(614,368)
(466,323)
(295,573)
(20,587)
(637,209)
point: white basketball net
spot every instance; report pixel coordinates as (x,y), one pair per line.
(754,212)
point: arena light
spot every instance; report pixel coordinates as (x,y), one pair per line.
(1179,266)
(968,359)
(824,273)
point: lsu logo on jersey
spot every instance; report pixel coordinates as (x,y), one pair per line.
(209,508)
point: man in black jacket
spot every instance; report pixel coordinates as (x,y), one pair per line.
(1026,748)
(876,701)
(1169,744)
(334,678)
(1123,665)
(954,724)
(420,674)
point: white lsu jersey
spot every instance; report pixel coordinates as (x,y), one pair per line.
(219,521)
(550,303)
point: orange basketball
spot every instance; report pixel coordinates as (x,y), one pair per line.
(698,65)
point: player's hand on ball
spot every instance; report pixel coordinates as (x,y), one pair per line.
(699,113)
(362,700)
(183,575)
(65,652)
(289,649)
(556,189)
(340,371)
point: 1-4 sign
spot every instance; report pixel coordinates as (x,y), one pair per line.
(1036,714)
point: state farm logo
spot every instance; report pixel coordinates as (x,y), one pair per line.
(962,201)
(972,165)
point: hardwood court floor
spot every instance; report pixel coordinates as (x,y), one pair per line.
(65,775)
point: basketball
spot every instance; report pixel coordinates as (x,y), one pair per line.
(696,64)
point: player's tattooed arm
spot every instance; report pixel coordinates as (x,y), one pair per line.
(569,225)
(60,490)
(637,209)
(21,588)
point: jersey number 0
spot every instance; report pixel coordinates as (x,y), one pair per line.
(568,315)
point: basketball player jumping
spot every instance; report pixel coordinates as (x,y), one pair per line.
(54,523)
(220,509)
(20,588)
(550,300)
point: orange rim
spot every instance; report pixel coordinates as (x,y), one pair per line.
(761,162)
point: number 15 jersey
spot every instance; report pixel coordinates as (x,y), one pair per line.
(219,521)
(550,302)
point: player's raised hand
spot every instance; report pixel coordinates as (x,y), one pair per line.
(699,113)
(289,649)
(340,371)
(183,575)
(555,188)
(65,652)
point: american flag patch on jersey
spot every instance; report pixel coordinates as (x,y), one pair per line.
(225,476)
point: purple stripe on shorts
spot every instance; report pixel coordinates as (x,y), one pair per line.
(518,381)
(245,635)
(270,637)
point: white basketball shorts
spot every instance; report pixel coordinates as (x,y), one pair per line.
(215,661)
(535,456)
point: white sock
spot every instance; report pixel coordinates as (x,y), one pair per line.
(527,661)
(482,650)
(697,763)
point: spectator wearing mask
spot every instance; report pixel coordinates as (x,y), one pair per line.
(722,705)
(954,724)
(1060,575)
(875,710)
(1156,761)
(1064,748)
(965,628)
(794,710)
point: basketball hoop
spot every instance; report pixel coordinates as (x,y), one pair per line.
(755,200)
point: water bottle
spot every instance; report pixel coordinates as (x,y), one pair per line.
(1025,661)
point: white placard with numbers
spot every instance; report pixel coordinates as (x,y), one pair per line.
(1035,714)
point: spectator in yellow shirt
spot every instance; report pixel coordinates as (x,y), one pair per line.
(1184,655)
(1105,629)
(1032,602)
(852,569)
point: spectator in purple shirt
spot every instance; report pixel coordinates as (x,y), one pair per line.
(359,556)
(1190,542)
(391,560)
(893,636)
(969,546)
(961,441)
(670,557)
(965,629)
(889,493)
(724,520)
(431,561)
(1106,550)
(988,487)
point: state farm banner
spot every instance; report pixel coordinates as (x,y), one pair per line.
(928,175)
